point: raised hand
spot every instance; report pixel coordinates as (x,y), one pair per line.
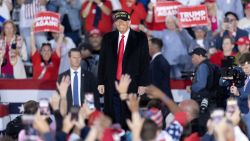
(135,125)
(68,124)
(63,86)
(133,103)
(154,92)
(54,102)
(101,89)
(61,29)
(122,86)
(40,123)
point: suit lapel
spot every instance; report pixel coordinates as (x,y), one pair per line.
(82,91)
(129,47)
(115,45)
(69,94)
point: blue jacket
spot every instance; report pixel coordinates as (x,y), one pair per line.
(242,99)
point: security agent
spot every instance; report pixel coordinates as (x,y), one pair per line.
(200,89)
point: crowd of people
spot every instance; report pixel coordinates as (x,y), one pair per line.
(115,48)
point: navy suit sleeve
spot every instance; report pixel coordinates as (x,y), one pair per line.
(160,69)
(157,74)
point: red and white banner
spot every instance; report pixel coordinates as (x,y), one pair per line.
(165,8)
(190,16)
(47,21)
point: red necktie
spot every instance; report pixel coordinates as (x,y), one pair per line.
(120,58)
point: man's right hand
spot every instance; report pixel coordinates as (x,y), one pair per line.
(101,89)
(188,89)
(234,90)
(154,92)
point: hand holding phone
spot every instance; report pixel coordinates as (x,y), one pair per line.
(74,110)
(89,101)
(44,107)
(232,105)
(217,115)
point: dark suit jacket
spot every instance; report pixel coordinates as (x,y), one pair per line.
(160,74)
(135,63)
(88,84)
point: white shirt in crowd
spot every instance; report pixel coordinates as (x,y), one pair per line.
(18,68)
(116,5)
(28,12)
(72,75)
(4,11)
(66,46)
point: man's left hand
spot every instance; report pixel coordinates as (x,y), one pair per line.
(141,90)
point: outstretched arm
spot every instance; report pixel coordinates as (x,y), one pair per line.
(60,40)
(33,41)
(156,93)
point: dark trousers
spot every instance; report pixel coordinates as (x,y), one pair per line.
(117,108)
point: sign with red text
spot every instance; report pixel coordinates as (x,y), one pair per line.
(47,22)
(190,16)
(165,8)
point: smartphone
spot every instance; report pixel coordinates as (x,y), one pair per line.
(217,115)
(232,105)
(13,46)
(30,132)
(74,110)
(89,100)
(44,107)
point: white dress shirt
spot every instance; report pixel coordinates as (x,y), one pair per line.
(125,39)
(72,74)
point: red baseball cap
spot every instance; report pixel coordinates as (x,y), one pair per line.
(95,31)
(93,117)
(243,40)
(247,6)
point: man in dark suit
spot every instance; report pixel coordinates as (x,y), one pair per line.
(123,51)
(159,67)
(82,81)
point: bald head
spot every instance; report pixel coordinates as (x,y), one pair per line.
(191,108)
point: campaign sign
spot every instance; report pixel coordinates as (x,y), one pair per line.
(47,22)
(165,8)
(190,16)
